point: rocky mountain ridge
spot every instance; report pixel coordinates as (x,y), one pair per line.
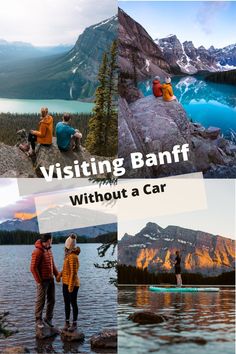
(186,58)
(32,225)
(154,248)
(72,75)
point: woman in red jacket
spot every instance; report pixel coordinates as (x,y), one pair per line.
(157,87)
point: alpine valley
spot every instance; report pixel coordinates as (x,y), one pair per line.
(155,56)
(154,248)
(203,81)
(59,72)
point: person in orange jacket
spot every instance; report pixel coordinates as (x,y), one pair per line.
(70,281)
(167,90)
(42,136)
(157,87)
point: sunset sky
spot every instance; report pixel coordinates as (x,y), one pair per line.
(11,204)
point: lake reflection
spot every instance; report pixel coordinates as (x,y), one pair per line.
(197,322)
(97,299)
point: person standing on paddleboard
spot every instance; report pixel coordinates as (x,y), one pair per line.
(178,269)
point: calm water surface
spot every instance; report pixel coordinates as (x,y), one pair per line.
(33,106)
(97,299)
(208,103)
(192,317)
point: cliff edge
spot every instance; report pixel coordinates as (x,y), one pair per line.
(151,125)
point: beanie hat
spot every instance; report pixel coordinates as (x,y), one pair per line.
(157,78)
(168,80)
(45,237)
(70,242)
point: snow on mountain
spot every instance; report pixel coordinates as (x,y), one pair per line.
(186,58)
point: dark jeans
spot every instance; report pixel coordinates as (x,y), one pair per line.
(70,299)
(32,140)
(46,290)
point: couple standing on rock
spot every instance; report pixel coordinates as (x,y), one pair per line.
(68,138)
(43,269)
(163,90)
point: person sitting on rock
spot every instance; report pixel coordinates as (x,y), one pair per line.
(43,269)
(157,87)
(167,90)
(68,138)
(42,136)
(70,281)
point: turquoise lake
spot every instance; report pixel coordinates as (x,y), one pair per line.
(33,106)
(209,104)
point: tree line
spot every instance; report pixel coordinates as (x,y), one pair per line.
(226,77)
(133,275)
(11,123)
(19,237)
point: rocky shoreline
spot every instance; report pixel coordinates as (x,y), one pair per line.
(151,125)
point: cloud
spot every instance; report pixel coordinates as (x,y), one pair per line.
(51,22)
(22,206)
(208,13)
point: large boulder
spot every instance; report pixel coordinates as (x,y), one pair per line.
(75,336)
(147,317)
(46,332)
(107,339)
(151,125)
(14,163)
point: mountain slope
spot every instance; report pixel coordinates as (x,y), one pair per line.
(32,225)
(137,50)
(154,247)
(69,76)
(185,58)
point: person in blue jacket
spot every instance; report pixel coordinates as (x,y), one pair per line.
(68,138)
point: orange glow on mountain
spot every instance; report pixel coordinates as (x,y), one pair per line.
(25,216)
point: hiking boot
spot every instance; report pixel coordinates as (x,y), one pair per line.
(40,324)
(48,322)
(66,326)
(73,327)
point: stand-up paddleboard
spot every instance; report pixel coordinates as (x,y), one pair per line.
(182,290)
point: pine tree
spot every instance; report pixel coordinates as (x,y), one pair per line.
(111,131)
(102,138)
(95,141)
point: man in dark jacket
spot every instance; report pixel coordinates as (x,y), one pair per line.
(44,270)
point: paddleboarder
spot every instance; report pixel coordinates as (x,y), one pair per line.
(178,269)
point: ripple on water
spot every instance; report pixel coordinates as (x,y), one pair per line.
(97,299)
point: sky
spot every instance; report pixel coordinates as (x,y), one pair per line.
(11,204)
(51,22)
(218,219)
(202,22)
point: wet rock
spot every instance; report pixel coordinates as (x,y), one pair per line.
(75,336)
(107,339)
(15,350)
(147,317)
(46,332)
(212,132)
